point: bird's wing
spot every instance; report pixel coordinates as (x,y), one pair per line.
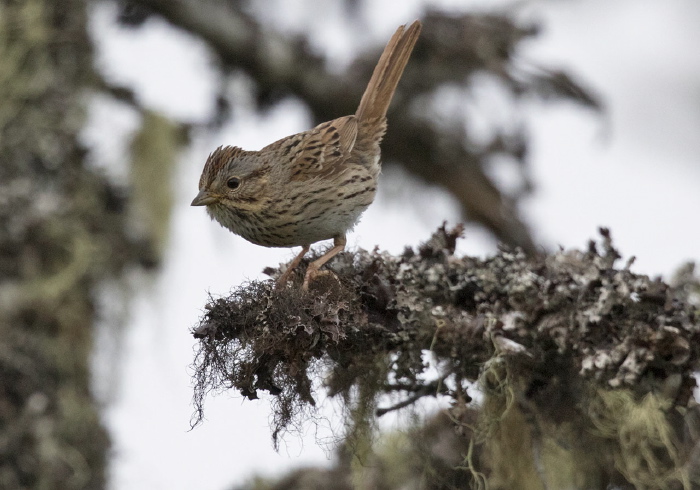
(320,151)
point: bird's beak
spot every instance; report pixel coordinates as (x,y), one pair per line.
(204,198)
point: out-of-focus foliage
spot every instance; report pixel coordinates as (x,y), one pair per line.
(63,230)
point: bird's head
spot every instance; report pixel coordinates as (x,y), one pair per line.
(234,179)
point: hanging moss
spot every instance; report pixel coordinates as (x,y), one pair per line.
(154,151)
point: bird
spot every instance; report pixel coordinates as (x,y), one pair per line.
(310,186)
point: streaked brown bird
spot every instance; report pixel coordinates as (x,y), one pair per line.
(309,186)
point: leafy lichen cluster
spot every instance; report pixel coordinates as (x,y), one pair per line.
(547,339)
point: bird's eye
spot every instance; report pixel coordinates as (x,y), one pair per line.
(233,183)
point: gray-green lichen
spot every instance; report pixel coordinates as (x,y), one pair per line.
(547,338)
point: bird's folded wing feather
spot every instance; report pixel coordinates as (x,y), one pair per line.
(322,150)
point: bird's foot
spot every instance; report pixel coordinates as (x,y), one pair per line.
(284,278)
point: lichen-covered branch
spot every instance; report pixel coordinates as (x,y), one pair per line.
(560,345)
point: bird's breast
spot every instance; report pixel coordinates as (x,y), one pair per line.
(305,213)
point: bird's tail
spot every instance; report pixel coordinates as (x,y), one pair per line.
(380,89)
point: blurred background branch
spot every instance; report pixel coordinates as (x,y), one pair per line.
(436,148)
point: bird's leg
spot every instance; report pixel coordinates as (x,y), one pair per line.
(292,265)
(312,271)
